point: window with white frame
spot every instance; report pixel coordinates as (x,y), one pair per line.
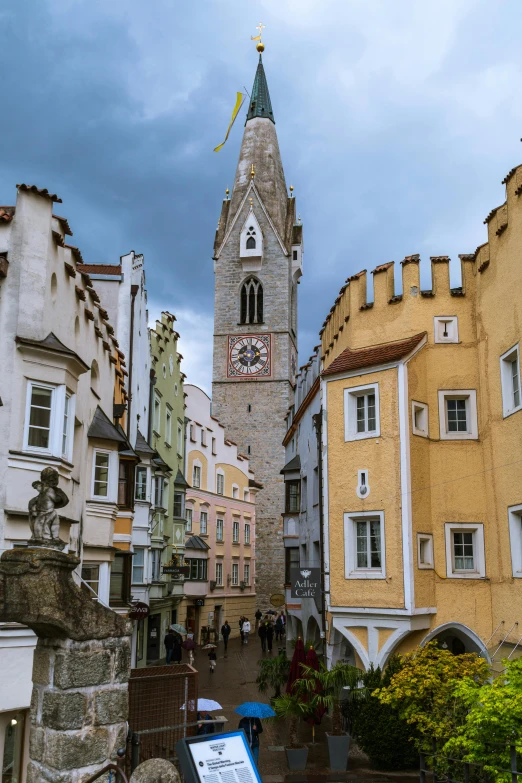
(203,436)
(425,550)
(361,412)
(180,439)
(156,416)
(91,577)
(235,491)
(214,452)
(246,573)
(219,574)
(192,431)
(419,418)
(247,533)
(203,523)
(465,550)
(364,545)
(138,566)
(155,559)
(235,574)
(458,414)
(219,530)
(188,517)
(446,329)
(101,472)
(141,483)
(196,476)
(510,379)
(49,420)
(168,426)
(515,539)
(220,483)
(246,495)
(159,490)
(235,532)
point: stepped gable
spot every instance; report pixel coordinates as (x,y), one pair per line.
(378,354)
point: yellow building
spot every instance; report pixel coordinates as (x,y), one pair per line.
(421,454)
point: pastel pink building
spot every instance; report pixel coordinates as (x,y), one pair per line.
(220,529)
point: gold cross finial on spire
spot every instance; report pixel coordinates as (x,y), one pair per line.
(252,171)
(260,45)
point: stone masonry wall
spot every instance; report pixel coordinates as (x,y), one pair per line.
(79,707)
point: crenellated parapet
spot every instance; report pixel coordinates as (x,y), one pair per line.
(356,320)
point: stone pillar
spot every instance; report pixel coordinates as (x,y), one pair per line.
(79,705)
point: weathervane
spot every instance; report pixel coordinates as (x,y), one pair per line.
(260,45)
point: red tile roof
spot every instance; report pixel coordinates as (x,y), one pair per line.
(40,192)
(382,267)
(65,224)
(377,354)
(99,269)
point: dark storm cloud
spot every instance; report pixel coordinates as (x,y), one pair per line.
(396,123)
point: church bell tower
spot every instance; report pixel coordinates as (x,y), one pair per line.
(258,252)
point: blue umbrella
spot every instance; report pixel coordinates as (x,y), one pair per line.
(255,709)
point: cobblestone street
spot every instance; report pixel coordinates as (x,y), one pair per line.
(234,682)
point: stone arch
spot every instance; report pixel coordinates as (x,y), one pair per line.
(341,648)
(313,632)
(457,636)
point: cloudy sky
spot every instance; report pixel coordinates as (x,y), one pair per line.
(397,121)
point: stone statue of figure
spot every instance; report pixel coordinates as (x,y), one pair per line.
(43,519)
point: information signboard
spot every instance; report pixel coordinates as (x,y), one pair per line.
(306,582)
(217,758)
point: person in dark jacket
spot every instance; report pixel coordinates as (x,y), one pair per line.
(279,628)
(252,728)
(241,621)
(261,632)
(205,728)
(269,636)
(169,642)
(225,633)
(258,616)
(177,649)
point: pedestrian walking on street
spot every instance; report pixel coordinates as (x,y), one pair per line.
(205,728)
(176,649)
(278,628)
(212,657)
(252,728)
(269,636)
(169,642)
(225,633)
(241,621)
(258,616)
(246,629)
(261,632)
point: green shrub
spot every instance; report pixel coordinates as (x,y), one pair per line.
(386,739)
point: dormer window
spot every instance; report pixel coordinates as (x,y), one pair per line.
(251,243)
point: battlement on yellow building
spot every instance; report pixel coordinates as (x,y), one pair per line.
(355,322)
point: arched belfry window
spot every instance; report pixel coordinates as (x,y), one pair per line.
(251,238)
(252,301)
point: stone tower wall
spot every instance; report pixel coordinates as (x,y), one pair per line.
(263,429)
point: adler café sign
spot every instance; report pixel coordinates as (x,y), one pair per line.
(306,582)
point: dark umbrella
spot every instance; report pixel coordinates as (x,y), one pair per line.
(189,644)
(313,662)
(295,665)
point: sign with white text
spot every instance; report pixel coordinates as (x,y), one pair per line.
(306,582)
(217,758)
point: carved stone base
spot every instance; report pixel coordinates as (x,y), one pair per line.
(46,543)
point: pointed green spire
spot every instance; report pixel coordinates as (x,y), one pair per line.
(260,104)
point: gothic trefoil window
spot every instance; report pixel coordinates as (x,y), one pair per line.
(251,300)
(251,238)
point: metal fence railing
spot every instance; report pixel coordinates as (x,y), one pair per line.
(445,769)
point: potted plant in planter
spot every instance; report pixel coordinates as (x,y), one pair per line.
(323,689)
(293,708)
(273,674)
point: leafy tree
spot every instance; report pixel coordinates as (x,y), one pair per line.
(323,689)
(493,721)
(291,706)
(378,728)
(423,690)
(273,674)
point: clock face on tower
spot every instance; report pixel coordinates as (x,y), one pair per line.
(249,356)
